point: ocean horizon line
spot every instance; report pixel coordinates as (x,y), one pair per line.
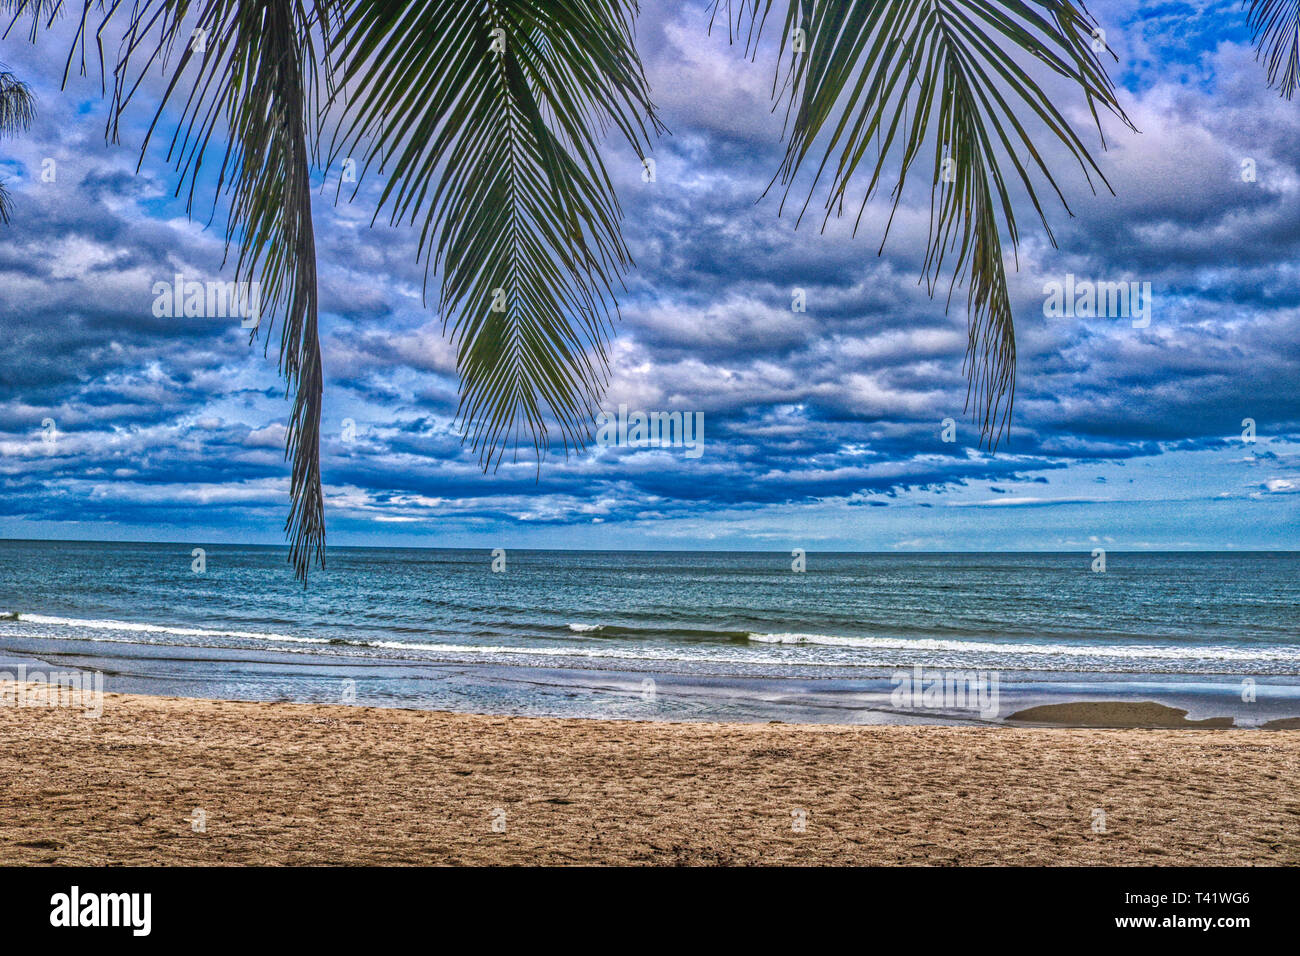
(194,542)
(198,541)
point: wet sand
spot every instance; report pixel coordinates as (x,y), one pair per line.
(180,781)
(1116,713)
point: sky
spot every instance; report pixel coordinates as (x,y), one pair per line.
(823,429)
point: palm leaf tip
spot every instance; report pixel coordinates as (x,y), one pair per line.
(1275,32)
(17,104)
(17,111)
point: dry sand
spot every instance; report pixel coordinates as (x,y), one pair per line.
(311,784)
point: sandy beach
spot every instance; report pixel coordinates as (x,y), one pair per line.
(195,782)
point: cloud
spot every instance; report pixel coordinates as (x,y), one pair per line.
(823,423)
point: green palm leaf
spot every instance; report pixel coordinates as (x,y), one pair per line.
(251,82)
(256,78)
(1275,31)
(881,81)
(485,117)
(17,110)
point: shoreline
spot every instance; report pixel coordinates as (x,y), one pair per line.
(315,784)
(481,687)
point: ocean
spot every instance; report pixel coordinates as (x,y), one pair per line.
(669,635)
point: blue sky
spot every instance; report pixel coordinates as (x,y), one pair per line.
(822,428)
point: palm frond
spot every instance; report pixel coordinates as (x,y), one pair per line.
(251,71)
(17,104)
(877,81)
(17,110)
(1275,31)
(485,117)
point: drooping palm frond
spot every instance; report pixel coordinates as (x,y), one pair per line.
(247,70)
(879,81)
(17,110)
(1275,31)
(485,117)
(17,104)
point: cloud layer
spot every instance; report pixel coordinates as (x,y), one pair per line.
(823,428)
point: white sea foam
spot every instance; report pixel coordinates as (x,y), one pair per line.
(639,654)
(137,627)
(114,631)
(1130,651)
